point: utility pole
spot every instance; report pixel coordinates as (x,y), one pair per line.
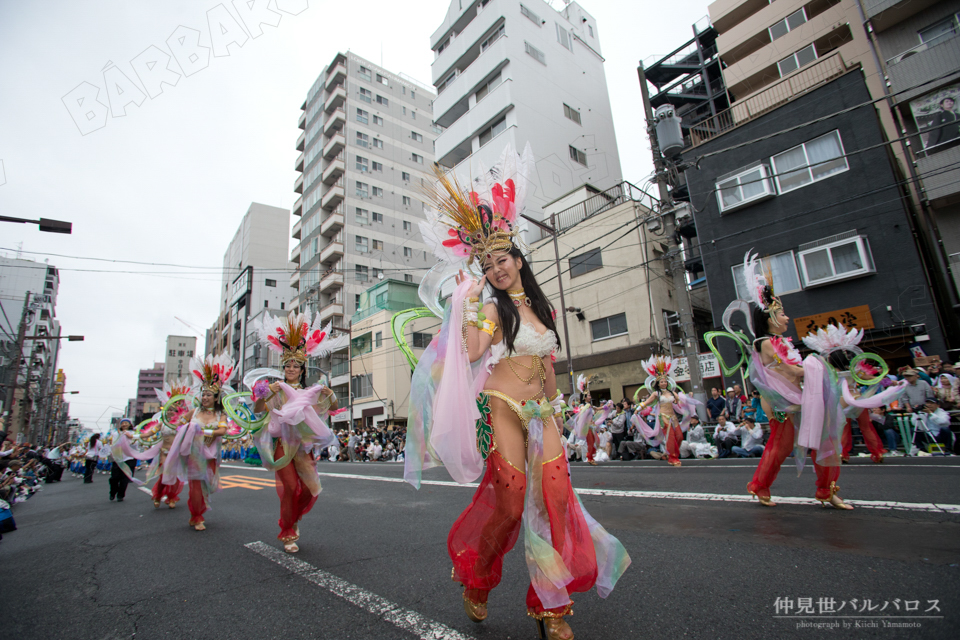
(673,259)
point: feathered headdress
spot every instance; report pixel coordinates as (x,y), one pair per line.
(660,368)
(212,373)
(294,337)
(582,383)
(834,338)
(471,225)
(760,285)
(178,387)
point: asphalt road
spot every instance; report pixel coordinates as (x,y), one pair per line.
(373,560)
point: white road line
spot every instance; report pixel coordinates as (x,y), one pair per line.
(405,619)
(707,497)
(247,467)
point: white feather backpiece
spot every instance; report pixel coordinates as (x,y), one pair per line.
(832,338)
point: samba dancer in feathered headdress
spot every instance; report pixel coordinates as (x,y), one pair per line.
(297,414)
(672,407)
(841,350)
(460,421)
(194,455)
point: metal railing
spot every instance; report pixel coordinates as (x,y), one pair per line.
(603,201)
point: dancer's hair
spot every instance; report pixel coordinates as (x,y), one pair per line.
(510,316)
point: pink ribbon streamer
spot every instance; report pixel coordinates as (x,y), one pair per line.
(886,396)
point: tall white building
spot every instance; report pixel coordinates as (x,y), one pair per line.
(256,276)
(367,146)
(517,72)
(176,364)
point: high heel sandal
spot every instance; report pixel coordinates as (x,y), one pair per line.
(834,500)
(764,500)
(290,546)
(554,629)
(476,611)
(156,504)
(200,527)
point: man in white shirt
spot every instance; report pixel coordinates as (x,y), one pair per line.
(936,423)
(352,443)
(375,451)
(724,436)
(751,439)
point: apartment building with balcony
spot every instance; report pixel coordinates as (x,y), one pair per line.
(256,276)
(510,72)
(918,43)
(380,383)
(366,148)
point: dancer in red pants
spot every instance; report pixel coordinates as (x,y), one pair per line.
(673,408)
(194,456)
(870,437)
(297,416)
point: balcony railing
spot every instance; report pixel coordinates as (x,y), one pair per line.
(603,201)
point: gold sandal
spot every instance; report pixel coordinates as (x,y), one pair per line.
(835,501)
(290,546)
(200,527)
(554,629)
(476,611)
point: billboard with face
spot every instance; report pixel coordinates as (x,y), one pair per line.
(937,115)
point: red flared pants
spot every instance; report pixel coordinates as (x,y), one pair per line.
(591,445)
(490,525)
(295,498)
(170,491)
(198,500)
(673,437)
(776,451)
(870,437)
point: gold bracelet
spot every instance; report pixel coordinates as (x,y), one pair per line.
(473,299)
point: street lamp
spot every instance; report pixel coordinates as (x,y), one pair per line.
(46,224)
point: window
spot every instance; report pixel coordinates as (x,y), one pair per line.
(447,81)
(585,263)
(361,273)
(266,303)
(493,131)
(407,225)
(590,29)
(362,216)
(407,277)
(571,113)
(377,143)
(270,283)
(377,120)
(797,60)
(281,305)
(748,185)
(788,24)
(939,31)
(416,136)
(405,176)
(413,115)
(421,340)
(363,385)
(407,252)
(843,256)
(382,100)
(535,53)
(783,267)
(563,37)
(378,217)
(812,161)
(496,35)
(378,192)
(362,190)
(534,18)
(377,273)
(378,245)
(443,45)
(578,156)
(406,201)
(378,340)
(609,326)
(489,86)
(362,164)
(382,80)
(364,73)
(362,116)
(363,139)
(416,158)
(356,305)
(366,95)
(378,166)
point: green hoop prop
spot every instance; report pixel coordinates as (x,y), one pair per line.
(247,422)
(739,338)
(399,323)
(148,442)
(163,410)
(869,382)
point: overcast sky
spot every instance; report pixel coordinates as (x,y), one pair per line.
(169,181)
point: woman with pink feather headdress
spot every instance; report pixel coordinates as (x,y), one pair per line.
(194,456)
(297,415)
(672,406)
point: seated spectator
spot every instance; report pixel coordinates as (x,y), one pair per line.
(886,424)
(935,422)
(696,445)
(724,436)
(751,439)
(603,445)
(715,405)
(946,392)
(634,447)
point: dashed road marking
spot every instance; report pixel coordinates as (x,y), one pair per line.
(405,619)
